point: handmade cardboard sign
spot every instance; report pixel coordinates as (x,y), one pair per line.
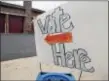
(74,35)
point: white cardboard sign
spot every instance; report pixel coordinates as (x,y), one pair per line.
(75,35)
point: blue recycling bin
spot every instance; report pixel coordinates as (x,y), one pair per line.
(46,76)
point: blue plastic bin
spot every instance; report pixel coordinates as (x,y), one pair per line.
(46,76)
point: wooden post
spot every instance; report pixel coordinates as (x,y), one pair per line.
(7,23)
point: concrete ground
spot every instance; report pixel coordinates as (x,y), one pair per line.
(19,69)
(28,69)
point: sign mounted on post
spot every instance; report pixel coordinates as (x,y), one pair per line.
(74,35)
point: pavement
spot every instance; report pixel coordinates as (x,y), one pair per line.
(26,69)
(29,68)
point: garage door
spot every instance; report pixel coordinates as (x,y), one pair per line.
(2,23)
(16,24)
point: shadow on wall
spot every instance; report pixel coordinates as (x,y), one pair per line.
(14,46)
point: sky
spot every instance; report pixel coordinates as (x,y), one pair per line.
(43,5)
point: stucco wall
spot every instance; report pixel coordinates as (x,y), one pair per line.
(15,46)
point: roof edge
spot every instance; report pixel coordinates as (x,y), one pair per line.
(19,7)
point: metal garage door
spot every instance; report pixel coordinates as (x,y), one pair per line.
(2,23)
(16,24)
